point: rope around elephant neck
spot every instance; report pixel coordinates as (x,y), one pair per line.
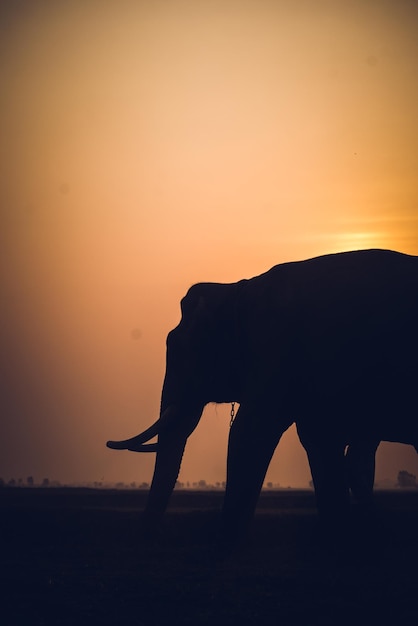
(232,414)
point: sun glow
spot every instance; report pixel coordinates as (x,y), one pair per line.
(346,241)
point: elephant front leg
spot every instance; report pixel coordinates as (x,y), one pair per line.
(251,445)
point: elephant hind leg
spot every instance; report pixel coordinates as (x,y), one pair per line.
(360,467)
(327,464)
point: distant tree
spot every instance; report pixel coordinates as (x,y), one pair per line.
(2,483)
(45,482)
(12,483)
(30,482)
(269,485)
(202,484)
(405,479)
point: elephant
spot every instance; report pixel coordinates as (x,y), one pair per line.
(329,343)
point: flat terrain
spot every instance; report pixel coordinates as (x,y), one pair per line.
(74,557)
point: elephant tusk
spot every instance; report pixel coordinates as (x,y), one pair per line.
(135,444)
(130,444)
(145,447)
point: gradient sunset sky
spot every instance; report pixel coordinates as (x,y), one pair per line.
(149,145)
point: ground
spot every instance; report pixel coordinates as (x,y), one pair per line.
(75,557)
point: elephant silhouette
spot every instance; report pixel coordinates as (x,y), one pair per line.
(330,343)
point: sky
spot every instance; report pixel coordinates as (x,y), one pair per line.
(151,144)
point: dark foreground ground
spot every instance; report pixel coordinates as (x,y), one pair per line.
(74,557)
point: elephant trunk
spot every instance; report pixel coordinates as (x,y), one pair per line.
(166,471)
(170,448)
(173,428)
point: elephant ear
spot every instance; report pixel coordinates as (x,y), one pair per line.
(193,304)
(204,309)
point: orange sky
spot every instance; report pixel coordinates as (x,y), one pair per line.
(150,145)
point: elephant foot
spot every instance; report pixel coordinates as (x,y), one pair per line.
(150,529)
(353,541)
(228,543)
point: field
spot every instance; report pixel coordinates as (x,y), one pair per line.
(74,557)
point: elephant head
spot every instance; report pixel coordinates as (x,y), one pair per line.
(202,366)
